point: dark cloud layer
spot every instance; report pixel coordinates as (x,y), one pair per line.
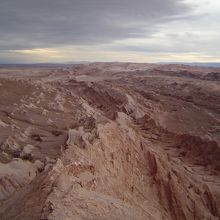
(47,23)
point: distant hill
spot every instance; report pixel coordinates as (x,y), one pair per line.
(217,65)
(206,64)
(41,65)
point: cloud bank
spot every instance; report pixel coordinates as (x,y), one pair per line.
(28,28)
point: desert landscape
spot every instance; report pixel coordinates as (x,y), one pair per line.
(109,141)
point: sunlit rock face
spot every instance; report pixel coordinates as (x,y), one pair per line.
(110,141)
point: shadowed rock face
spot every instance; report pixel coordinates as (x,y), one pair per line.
(110,141)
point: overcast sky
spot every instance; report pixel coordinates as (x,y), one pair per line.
(109,30)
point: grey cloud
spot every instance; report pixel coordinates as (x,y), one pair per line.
(28,24)
(154,48)
(173,43)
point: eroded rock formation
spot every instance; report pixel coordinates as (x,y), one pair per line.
(110,141)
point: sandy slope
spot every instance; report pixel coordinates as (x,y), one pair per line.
(110,141)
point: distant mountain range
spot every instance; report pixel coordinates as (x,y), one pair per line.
(58,65)
(41,65)
(195,64)
(206,64)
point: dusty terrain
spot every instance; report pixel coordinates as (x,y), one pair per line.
(110,141)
